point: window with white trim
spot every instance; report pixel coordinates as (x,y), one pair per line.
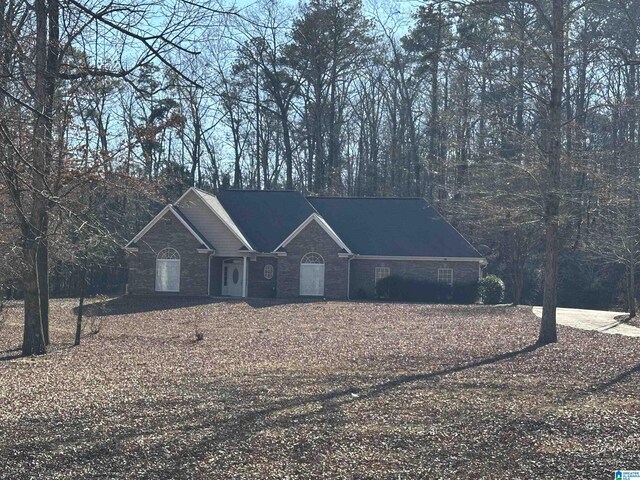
(312,258)
(382,272)
(168,270)
(268,271)
(312,275)
(445,275)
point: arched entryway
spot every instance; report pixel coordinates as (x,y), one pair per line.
(312,275)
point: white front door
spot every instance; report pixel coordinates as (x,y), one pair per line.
(312,279)
(232,277)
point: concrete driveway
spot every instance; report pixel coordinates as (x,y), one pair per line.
(597,320)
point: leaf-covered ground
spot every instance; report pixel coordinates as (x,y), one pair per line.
(316,390)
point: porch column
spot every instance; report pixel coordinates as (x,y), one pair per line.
(244,277)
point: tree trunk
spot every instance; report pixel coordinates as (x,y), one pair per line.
(50,76)
(548,330)
(43,279)
(34,339)
(433,134)
(631,292)
(518,280)
(79,319)
(83,290)
(288,152)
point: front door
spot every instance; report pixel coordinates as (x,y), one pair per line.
(232,277)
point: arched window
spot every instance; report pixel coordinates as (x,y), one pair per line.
(312,275)
(168,254)
(313,258)
(168,270)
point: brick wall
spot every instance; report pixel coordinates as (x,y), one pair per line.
(259,286)
(362,278)
(312,239)
(168,232)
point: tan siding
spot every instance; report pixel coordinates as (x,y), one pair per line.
(223,240)
(217,207)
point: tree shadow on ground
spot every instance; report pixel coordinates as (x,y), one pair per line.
(603,386)
(11,354)
(130,304)
(206,429)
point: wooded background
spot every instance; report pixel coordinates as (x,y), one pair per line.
(109,110)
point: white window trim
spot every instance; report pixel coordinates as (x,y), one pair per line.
(168,261)
(321,294)
(381,270)
(442,270)
(312,263)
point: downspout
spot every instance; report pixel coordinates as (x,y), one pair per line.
(349,278)
(209,275)
(244,277)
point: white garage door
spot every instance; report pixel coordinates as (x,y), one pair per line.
(312,275)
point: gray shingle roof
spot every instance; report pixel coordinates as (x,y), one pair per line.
(392,227)
(266,218)
(368,226)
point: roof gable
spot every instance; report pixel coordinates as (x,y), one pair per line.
(266,217)
(205,211)
(181,218)
(314,217)
(403,227)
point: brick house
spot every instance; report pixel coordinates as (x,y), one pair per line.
(244,243)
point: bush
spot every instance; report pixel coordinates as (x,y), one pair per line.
(491,289)
(407,289)
(361,294)
(466,293)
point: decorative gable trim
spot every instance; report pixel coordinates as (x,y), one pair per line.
(314,217)
(205,246)
(227,222)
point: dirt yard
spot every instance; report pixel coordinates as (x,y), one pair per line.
(316,390)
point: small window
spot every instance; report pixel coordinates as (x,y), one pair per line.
(445,275)
(382,272)
(268,272)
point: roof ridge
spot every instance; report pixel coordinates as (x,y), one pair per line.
(257,190)
(204,191)
(365,198)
